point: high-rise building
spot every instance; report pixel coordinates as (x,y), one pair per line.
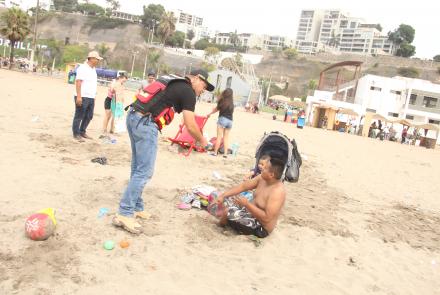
(341,32)
(186,22)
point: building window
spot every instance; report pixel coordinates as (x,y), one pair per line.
(429,102)
(432,121)
(371,110)
(409,117)
(395,115)
(396,92)
(412,99)
(375,88)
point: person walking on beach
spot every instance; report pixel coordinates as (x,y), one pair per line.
(85,86)
(225,107)
(143,123)
(115,92)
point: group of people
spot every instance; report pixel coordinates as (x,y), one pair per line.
(256,217)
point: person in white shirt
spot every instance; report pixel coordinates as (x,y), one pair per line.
(85,85)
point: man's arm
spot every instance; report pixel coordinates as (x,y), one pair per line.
(190,123)
(242,187)
(78,92)
(273,207)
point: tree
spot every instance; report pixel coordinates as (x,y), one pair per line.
(190,35)
(403,37)
(437,58)
(153,57)
(176,39)
(202,44)
(409,72)
(406,50)
(15,27)
(212,54)
(311,85)
(167,26)
(90,9)
(65,5)
(114,5)
(74,53)
(152,15)
(379,27)
(290,53)
(401,34)
(103,50)
(233,38)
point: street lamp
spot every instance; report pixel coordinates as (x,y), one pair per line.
(132,65)
(34,39)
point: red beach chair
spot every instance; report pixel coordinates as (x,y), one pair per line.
(184,138)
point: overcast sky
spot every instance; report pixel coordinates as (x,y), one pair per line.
(281,16)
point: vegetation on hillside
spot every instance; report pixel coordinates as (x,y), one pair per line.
(403,36)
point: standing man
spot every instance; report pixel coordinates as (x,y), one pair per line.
(150,79)
(142,119)
(85,85)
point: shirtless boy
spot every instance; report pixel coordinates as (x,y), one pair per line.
(260,216)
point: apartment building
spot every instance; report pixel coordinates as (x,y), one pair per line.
(341,32)
(308,31)
(186,22)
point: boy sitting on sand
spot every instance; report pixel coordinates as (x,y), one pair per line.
(260,216)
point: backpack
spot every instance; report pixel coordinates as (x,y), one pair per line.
(148,101)
(277,145)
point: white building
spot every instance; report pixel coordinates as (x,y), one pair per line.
(186,22)
(126,16)
(397,97)
(321,30)
(265,42)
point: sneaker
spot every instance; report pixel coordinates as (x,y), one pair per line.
(127,223)
(142,215)
(78,138)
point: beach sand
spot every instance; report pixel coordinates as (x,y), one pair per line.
(363,219)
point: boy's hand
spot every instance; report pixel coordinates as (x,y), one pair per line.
(240,201)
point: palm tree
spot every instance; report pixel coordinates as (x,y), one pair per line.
(15,27)
(167,26)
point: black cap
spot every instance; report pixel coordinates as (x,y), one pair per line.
(202,74)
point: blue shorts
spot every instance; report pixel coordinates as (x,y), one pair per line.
(224,122)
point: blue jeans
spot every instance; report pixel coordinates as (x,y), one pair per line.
(143,135)
(83,115)
(224,122)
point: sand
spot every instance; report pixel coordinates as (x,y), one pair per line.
(363,219)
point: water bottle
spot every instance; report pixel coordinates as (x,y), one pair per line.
(234,148)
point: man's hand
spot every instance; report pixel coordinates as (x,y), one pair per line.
(240,201)
(79,101)
(204,143)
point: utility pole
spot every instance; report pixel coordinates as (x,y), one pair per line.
(268,87)
(34,39)
(132,65)
(145,64)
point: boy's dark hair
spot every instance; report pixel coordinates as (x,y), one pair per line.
(276,167)
(122,76)
(265,157)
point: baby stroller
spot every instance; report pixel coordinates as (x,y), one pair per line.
(279,146)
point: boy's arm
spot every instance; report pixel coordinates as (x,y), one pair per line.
(242,187)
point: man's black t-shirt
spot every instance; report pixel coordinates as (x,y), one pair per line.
(179,95)
(226,112)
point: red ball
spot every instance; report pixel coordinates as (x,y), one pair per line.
(39,227)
